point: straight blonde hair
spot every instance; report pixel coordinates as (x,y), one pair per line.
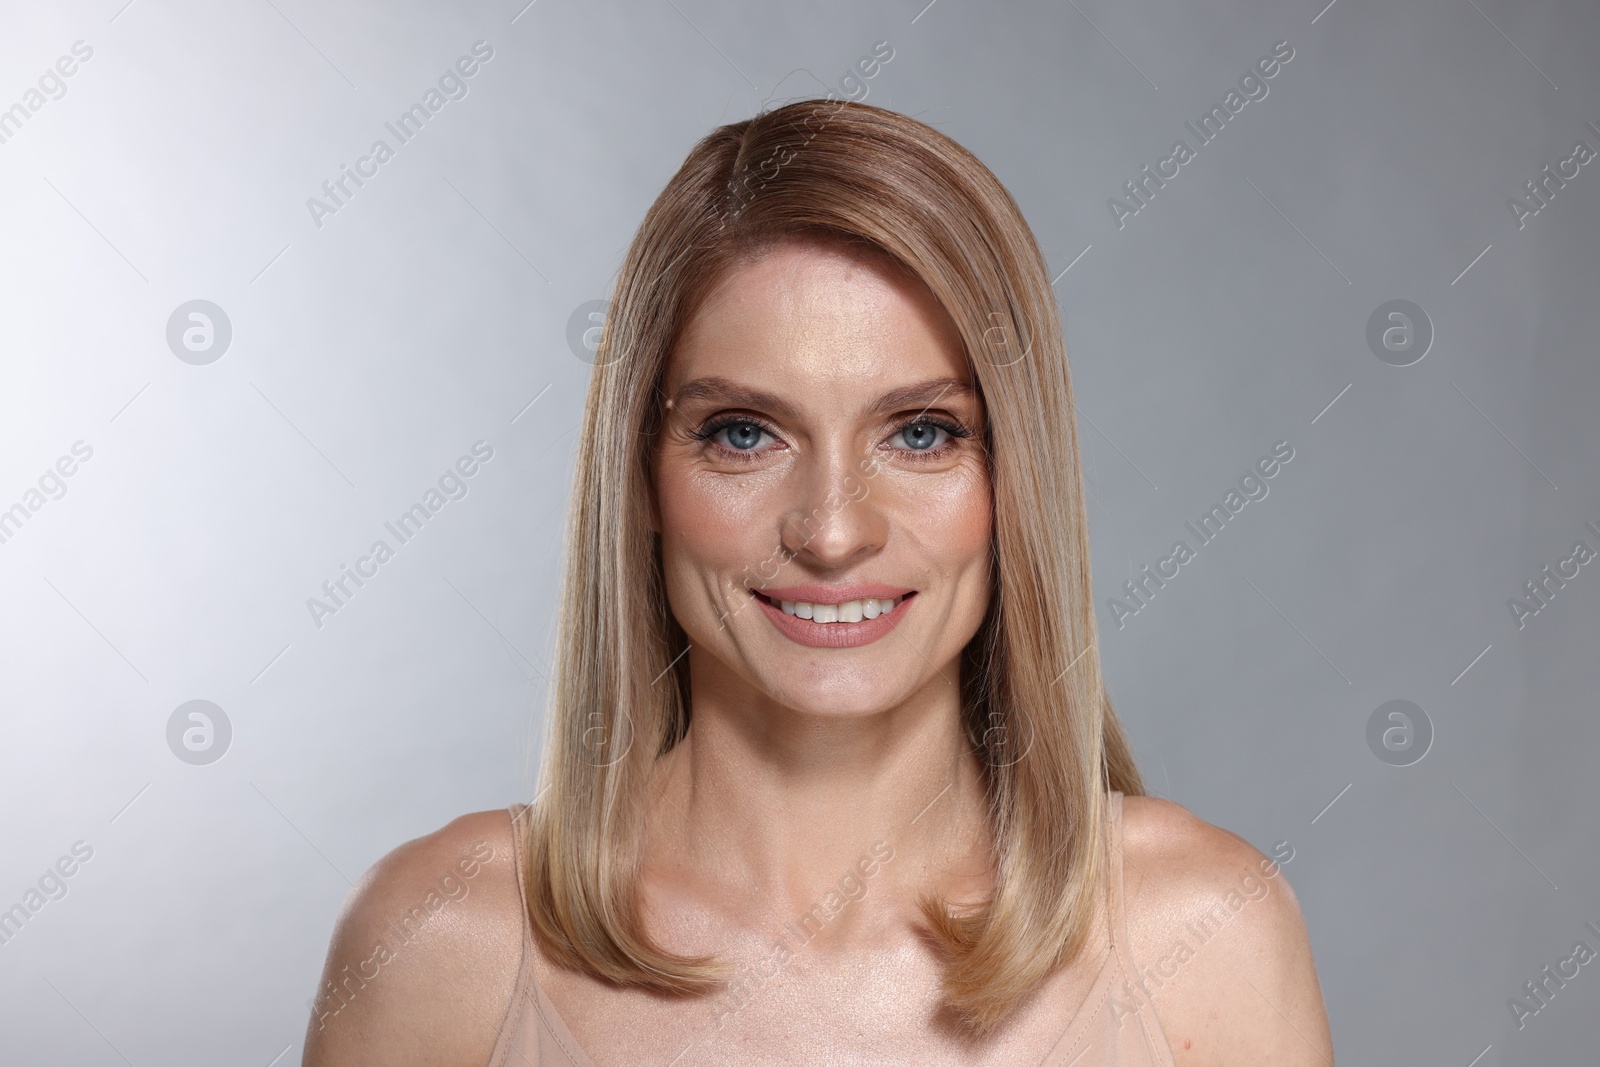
(1034,704)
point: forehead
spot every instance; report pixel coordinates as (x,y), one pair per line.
(818,317)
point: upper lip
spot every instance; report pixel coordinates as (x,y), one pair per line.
(835,594)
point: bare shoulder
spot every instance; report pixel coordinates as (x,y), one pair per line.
(1218,942)
(423,961)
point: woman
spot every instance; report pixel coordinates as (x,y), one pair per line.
(832,775)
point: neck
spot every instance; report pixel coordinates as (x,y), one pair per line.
(770,812)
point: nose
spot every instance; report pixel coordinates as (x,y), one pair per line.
(835,518)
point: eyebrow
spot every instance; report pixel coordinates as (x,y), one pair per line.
(925,393)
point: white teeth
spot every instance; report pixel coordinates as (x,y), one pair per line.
(849,611)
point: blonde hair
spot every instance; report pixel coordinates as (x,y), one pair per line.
(1031,678)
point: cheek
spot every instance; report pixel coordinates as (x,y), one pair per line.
(712,524)
(950,517)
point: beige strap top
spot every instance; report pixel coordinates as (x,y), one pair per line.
(1111,1028)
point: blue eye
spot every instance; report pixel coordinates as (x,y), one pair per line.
(741,435)
(924,432)
(744,434)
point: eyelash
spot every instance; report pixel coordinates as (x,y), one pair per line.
(917,455)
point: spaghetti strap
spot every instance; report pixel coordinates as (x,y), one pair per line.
(1115,904)
(1107,1030)
(511,1025)
(532,1034)
(1159,1050)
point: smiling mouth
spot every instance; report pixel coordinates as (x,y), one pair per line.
(850,611)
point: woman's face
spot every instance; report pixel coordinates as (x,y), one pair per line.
(822,445)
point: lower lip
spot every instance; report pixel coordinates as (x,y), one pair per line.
(834,634)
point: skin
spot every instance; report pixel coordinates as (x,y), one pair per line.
(800,760)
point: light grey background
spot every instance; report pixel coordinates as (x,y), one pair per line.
(432,311)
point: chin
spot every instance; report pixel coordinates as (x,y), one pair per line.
(844,694)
